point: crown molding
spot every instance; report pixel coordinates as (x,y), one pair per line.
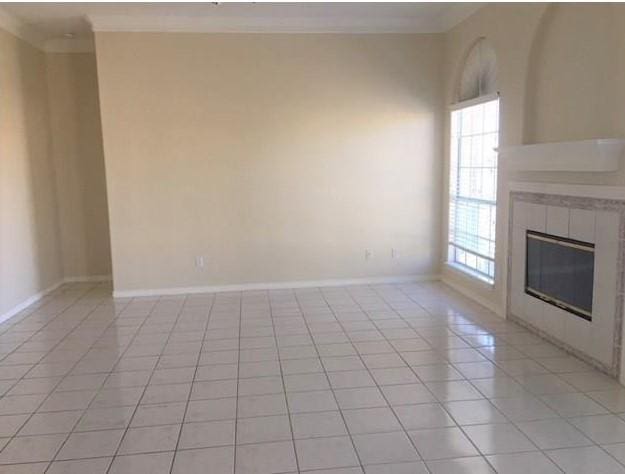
(17,28)
(453,17)
(223,24)
(25,32)
(234,24)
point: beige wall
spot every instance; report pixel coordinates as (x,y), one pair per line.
(79,163)
(574,82)
(29,236)
(276,157)
(560,71)
(571,79)
(53,212)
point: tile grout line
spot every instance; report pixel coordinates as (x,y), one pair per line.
(35,411)
(286,398)
(236,401)
(47,352)
(314,343)
(482,456)
(97,391)
(136,406)
(197,365)
(389,405)
(459,426)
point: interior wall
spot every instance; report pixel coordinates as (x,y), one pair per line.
(275,157)
(225,167)
(560,68)
(574,83)
(30,257)
(571,76)
(79,164)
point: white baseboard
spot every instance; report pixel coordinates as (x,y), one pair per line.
(469,294)
(272,286)
(83,279)
(28,301)
(222,288)
(37,296)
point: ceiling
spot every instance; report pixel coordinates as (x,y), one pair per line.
(54,21)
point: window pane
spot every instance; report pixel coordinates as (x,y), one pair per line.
(489,155)
(473,188)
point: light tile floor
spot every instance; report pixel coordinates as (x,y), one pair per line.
(391,379)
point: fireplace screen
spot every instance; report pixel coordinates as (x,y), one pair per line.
(560,272)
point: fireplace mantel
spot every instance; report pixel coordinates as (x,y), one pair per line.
(563,189)
(597,155)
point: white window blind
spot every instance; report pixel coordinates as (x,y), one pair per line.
(473,188)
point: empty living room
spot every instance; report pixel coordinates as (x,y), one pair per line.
(312,238)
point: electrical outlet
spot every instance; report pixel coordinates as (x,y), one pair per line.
(199,261)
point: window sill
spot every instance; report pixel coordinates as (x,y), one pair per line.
(477,277)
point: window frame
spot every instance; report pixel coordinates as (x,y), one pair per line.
(463,268)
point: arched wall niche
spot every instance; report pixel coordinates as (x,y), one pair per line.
(572,77)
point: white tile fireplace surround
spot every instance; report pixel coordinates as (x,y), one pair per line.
(592,214)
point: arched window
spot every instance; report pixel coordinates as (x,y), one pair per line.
(473,166)
(479,74)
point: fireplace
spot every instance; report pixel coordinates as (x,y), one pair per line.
(566,266)
(560,271)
